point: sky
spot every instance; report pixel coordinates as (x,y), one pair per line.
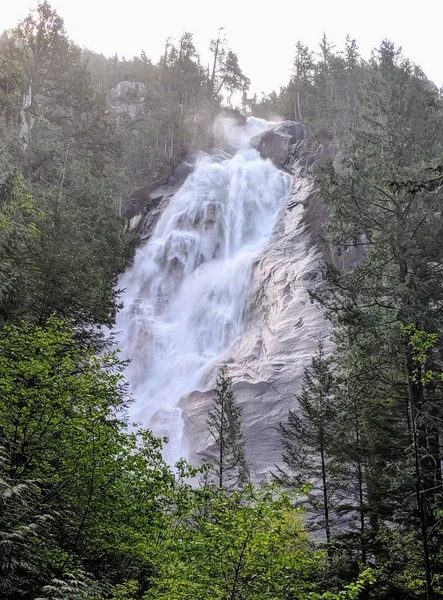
(263,33)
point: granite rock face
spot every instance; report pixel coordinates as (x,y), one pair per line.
(126,99)
(281,335)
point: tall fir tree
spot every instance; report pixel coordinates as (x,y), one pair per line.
(225,426)
(308,442)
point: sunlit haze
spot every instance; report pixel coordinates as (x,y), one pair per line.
(262,34)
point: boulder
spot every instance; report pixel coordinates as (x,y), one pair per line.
(280,142)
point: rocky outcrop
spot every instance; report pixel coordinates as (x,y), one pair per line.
(143,207)
(281,142)
(126,99)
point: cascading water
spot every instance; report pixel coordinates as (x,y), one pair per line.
(186,292)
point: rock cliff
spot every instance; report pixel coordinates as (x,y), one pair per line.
(282,326)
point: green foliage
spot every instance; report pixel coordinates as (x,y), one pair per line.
(246,544)
(18,229)
(90,510)
(421,343)
(62,251)
(77,485)
(383,198)
(74,586)
(353,591)
(61,239)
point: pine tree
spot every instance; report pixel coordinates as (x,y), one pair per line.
(225,426)
(308,441)
(352,56)
(226,74)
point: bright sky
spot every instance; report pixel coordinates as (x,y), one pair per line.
(263,38)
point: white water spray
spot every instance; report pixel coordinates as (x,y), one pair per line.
(186,292)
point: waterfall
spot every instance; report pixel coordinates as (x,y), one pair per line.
(186,292)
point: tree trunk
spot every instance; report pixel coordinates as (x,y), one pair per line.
(325,495)
(299,115)
(214,64)
(26,123)
(360,486)
(415,393)
(220,449)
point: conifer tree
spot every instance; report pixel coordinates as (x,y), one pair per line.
(308,440)
(225,426)
(303,71)
(226,74)
(386,198)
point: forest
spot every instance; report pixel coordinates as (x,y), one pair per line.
(89,509)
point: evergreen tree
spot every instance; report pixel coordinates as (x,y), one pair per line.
(56,106)
(61,251)
(352,56)
(308,441)
(385,198)
(226,74)
(224,423)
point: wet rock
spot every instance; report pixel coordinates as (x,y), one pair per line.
(280,142)
(144,206)
(134,222)
(184,169)
(211,213)
(159,199)
(139,201)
